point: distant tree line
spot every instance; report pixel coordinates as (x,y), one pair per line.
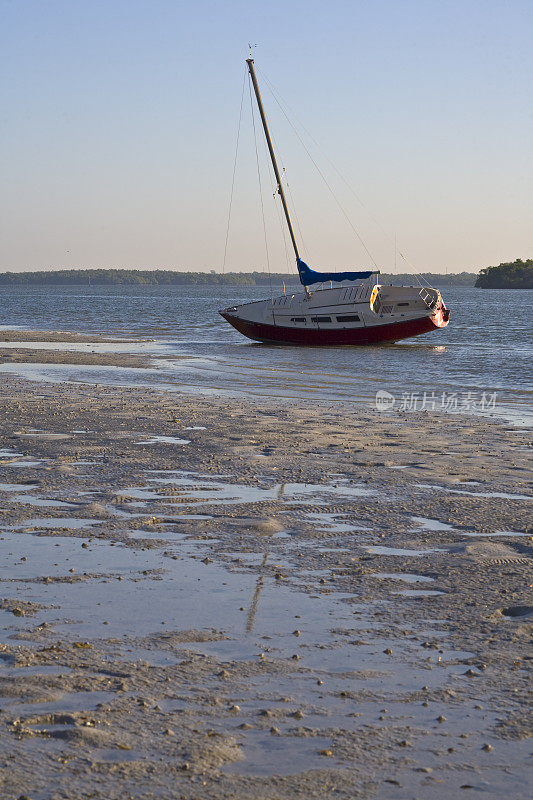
(134,277)
(510,275)
(163,277)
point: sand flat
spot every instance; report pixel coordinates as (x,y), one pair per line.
(230,624)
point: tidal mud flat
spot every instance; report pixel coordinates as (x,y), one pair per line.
(212,598)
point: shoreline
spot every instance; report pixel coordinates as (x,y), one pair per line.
(257,615)
(122,359)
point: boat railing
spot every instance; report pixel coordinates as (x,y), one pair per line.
(428,298)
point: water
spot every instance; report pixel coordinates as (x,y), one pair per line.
(192,487)
(485,348)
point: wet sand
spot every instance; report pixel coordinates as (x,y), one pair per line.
(209,598)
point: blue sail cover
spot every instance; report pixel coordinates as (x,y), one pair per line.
(309,276)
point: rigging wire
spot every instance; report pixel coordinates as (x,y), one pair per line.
(291,267)
(275,195)
(295,214)
(278,98)
(260,188)
(281,101)
(341,207)
(233,176)
(293,206)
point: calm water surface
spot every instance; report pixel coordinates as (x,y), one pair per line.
(486,347)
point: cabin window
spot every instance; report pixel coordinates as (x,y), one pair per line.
(320,319)
(402,304)
(297,319)
(349,318)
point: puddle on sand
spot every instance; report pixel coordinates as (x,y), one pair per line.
(45,523)
(268,755)
(7,452)
(40,669)
(403,576)
(120,512)
(164,440)
(54,556)
(42,502)
(44,435)
(203,489)
(17,487)
(167,536)
(499,495)
(118,756)
(419,592)
(332,522)
(257,614)
(435,525)
(496,533)
(214,492)
(431,524)
(67,703)
(400,551)
(300,492)
(27,464)
(182,594)
(138,494)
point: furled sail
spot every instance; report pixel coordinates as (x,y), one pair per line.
(309,276)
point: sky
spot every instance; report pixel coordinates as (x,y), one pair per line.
(119,120)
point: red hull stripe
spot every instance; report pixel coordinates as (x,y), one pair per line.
(328,337)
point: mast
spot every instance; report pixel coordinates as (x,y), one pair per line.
(281,193)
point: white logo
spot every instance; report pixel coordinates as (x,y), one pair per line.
(384,400)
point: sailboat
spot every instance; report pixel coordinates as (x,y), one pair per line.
(359,312)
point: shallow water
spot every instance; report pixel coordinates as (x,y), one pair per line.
(409,577)
(399,551)
(197,488)
(483,349)
(164,440)
(499,495)
(44,523)
(41,502)
(17,487)
(265,754)
(119,591)
(431,524)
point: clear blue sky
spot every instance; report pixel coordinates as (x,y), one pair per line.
(119,117)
